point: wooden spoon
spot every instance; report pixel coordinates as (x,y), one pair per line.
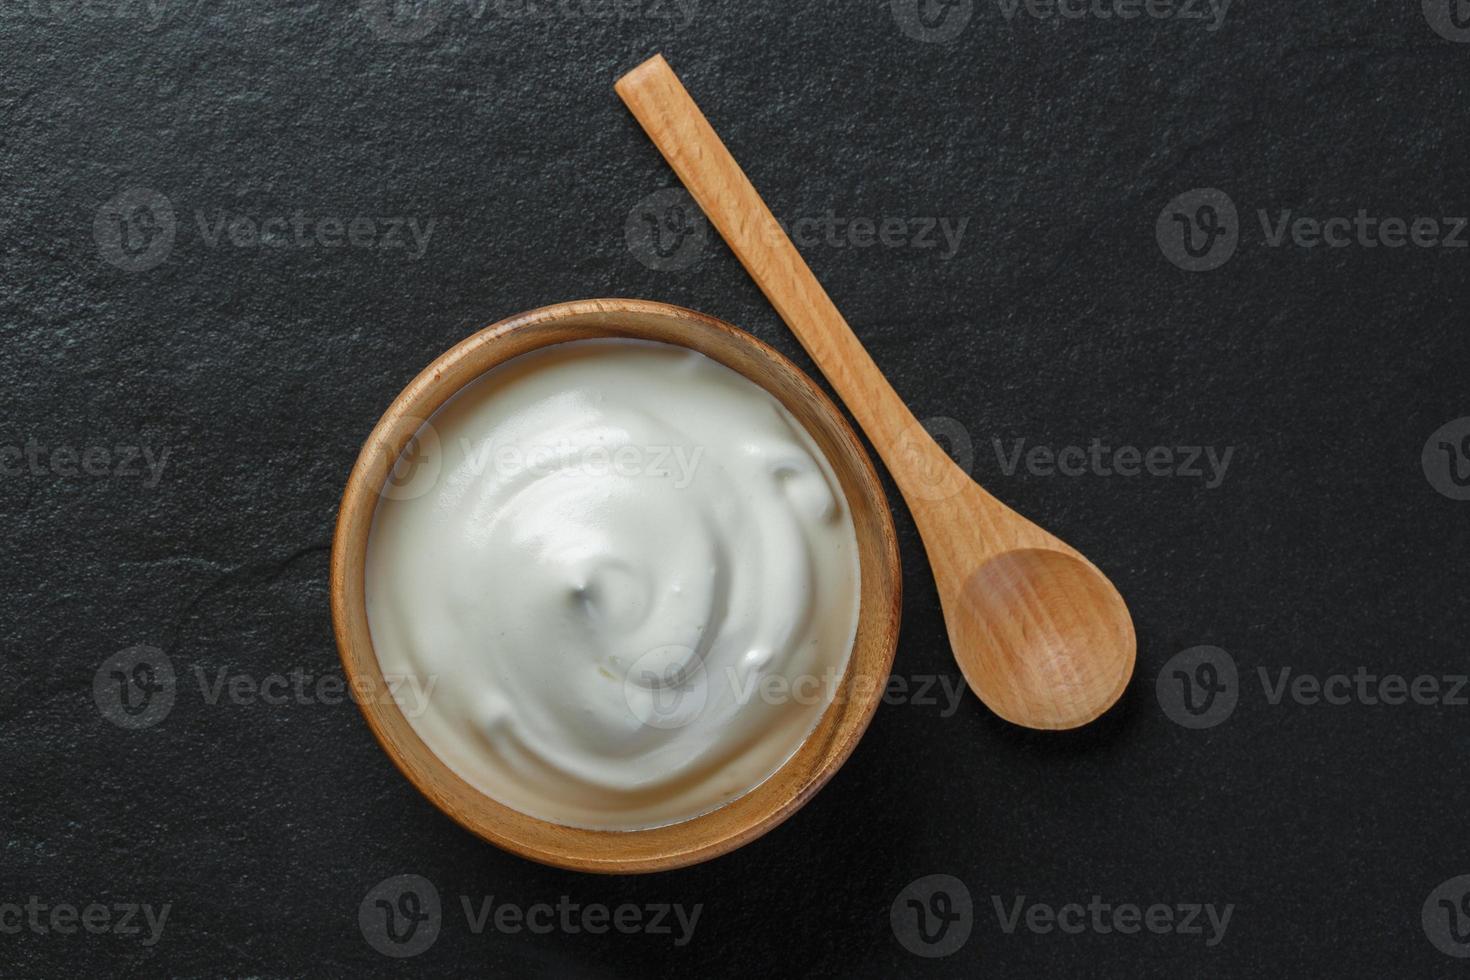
(1041,635)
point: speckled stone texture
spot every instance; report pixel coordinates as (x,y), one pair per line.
(145,150)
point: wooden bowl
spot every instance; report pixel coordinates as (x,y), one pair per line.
(839,728)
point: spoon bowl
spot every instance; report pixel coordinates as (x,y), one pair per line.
(1036,632)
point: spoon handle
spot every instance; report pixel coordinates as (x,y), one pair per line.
(684,136)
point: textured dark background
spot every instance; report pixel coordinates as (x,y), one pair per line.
(1058,320)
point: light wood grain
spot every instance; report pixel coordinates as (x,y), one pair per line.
(1040,634)
(840,727)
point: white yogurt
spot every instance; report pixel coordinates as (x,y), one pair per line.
(630,591)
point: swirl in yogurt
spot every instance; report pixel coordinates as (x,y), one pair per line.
(629,592)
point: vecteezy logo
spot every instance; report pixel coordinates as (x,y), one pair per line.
(1199,687)
(666,230)
(937,479)
(1446,917)
(134,688)
(403,21)
(400,916)
(135,230)
(1449,18)
(1446,459)
(1199,230)
(932,21)
(415,470)
(932,916)
(666,687)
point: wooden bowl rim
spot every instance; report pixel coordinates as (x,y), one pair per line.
(614,852)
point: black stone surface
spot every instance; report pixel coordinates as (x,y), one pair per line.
(1059,319)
